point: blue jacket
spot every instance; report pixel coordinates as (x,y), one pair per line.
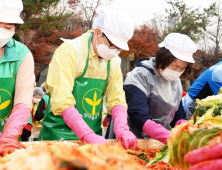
(207,84)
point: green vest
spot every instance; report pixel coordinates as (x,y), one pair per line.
(46,99)
(88,93)
(12,58)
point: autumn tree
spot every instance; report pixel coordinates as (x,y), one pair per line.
(89,8)
(188,20)
(143,44)
(43,16)
(44,24)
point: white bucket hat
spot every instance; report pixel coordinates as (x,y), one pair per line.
(10,11)
(116,26)
(180,45)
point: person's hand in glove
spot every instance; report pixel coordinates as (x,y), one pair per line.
(106,120)
(205,158)
(156,131)
(74,120)
(8,145)
(121,129)
(13,129)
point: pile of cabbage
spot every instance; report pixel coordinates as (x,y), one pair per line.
(208,110)
(187,137)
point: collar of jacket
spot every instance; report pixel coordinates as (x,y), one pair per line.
(140,64)
(10,53)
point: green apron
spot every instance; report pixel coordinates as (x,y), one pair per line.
(88,93)
(7,92)
(46,99)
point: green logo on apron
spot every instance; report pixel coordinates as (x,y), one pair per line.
(5,104)
(90,102)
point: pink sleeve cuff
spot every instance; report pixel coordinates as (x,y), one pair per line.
(156,131)
(74,120)
(70,115)
(119,115)
(180,121)
(117,108)
(68,111)
(17,120)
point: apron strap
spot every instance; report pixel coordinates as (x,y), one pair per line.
(108,69)
(87,61)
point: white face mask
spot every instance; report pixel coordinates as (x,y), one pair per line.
(170,75)
(36,100)
(105,52)
(5,36)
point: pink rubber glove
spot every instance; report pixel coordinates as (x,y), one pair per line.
(156,131)
(180,121)
(205,158)
(121,129)
(74,120)
(106,121)
(13,129)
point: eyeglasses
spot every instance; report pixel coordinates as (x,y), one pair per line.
(112,46)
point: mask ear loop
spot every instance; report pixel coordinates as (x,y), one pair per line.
(12,45)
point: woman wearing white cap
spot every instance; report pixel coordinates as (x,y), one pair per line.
(153,89)
(16,83)
(81,71)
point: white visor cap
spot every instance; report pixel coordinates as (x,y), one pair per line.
(180,45)
(10,11)
(118,27)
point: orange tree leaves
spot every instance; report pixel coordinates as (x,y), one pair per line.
(42,45)
(55,37)
(143,44)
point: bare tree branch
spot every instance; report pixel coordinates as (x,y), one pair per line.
(90,8)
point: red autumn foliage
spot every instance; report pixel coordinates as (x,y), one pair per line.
(207,59)
(73,3)
(41,46)
(199,53)
(143,44)
(55,37)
